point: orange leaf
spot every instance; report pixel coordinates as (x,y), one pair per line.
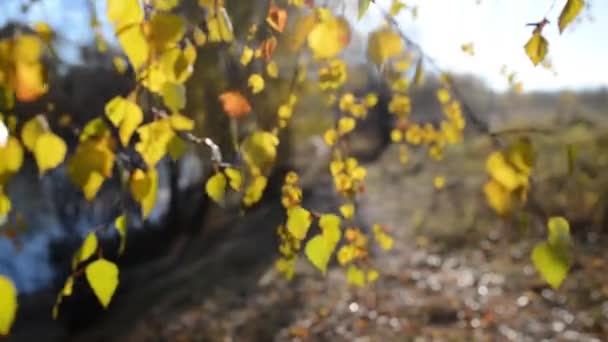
(277,18)
(268,47)
(235,104)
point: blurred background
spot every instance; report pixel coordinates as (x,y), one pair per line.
(457,272)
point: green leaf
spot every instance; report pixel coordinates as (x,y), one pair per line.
(537,48)
(298,222)
(8,307)
(363,7)
(216,187)
(49,151)
(102,275)
(86,250)
(570,11)
(319,250)
(552,264)
(559,232)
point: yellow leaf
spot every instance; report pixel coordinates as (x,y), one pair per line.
(49,151)
(347,210)
(235,179)
(121,228)
(125,115)
(329,37)
(174,96)
(220,27)
(8,309)
(521,155)
(176,147)
(32,129)
(439,182)
(383,239)
(298,222)
(155,138)
(330,227)
(165,5)
(145,189)
(346,125)
(181,122)
(11,159)
(90,165)
(255,190)
(216,187)
(164,31)
(346,254)
(372,276)
(303,26)
(246,56)
(498,197)
(570,11)
(355,276)
(102,275)
(86,250)
(119,64)
(536,48)
(260,149)
(384,44)
(319,250)
(5,204)
(256,83)
(272,69)
(122,13)
(501,171)
(135,45)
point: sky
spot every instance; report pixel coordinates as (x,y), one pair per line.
(498,32)
(496,28)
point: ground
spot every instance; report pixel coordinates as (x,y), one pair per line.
(456,273)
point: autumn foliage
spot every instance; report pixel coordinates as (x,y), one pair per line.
(161,46)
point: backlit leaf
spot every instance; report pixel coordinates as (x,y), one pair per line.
(102,275)
(86,250)
(330,227)
(216,187)
(355,276)
(11,159)
(8,309)
(235,179)
(570,11)
(537,48)
(256,83)
(329,37)
(32,129)
(319,250)
(363,7)
(551,264)
(50,151)
(144,188)
(121,227)
(298,222)
(559,232)
(384,44)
